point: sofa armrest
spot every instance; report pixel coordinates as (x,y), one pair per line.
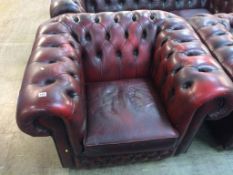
(216,32)
(192,84)
(53,87)
(58,7)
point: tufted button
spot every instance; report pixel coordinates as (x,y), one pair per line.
(72,74)
(170,54)
(116,19)
(135,52)
(97,20)
(144,34)
(52,61)
(164,41)
(108,36)
(72,94)
(76,19)
(152,17)
(206,68)
(88,36)
(126,34)
(177,69)
(184,40)
(177,27)
(134,17)
(99,54)
(211,23)
(220,33)
(118,54)
(194,52)
(187,84)
(49,81)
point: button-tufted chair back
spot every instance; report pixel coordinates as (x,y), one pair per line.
(116,48)
(121,46)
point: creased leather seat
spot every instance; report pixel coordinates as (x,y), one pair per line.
(120,87)
(216,31)
(126,112)
(184,8)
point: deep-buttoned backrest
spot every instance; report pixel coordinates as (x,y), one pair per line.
(121,45)
(120,5)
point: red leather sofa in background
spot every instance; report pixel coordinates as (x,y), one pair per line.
(216,31)
(184,8)
(119,87)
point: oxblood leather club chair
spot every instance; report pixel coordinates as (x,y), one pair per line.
(184,8)
(118,87)
(216,31)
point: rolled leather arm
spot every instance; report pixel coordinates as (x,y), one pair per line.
(53,85)
(192,84)
(216,32)
(58,7)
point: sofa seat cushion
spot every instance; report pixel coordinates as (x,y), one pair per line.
(188,13)
(125,116)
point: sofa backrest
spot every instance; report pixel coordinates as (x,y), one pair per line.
(116,46)
(120,5)
(59,7)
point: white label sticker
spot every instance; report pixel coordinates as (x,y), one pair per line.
(42,94)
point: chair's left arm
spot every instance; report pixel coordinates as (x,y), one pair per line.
(58,7)
(52,97)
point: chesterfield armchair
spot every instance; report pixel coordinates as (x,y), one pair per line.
(120,87)
(184,8)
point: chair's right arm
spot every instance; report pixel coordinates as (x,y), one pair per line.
(58,7)
(192,84)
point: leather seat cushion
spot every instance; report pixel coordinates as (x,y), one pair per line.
(188,13)
(126,115)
